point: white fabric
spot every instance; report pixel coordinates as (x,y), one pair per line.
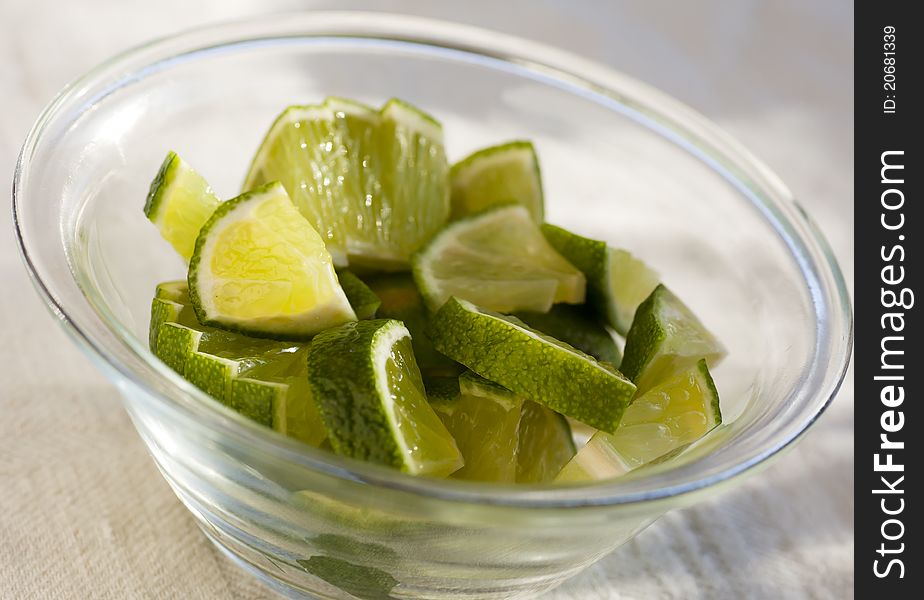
(83,511)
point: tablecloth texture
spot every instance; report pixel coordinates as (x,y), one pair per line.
(84,512)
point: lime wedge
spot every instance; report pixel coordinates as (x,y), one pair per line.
(483,419)
(617,282)
(545,444)
(363,300)
(179,203)
(175,343)
(269,375)
(499,260)
(162,311)
(175,291)
(211,374)
(668,417)
(535,366)
(373,401)
(401,301)
(261,269)
(666,338)
(577,326)
(497,175)
(257,400)
(373,183)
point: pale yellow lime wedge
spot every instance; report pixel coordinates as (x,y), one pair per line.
(179,202)
(497,175)
(498,260)
(261,269)
(670,416)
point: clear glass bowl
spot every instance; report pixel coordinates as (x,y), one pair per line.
(621,162)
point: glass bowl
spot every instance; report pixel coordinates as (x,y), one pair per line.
(621,162)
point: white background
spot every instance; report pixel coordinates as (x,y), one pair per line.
(83,511)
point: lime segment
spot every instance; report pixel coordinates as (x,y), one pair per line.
(373,401)
(483,419)
(666,338)
(545,444)
(363,300)
(373,183)
(670,416)
(617,282)
(179,202)
(261,269)
(497,175)
(499,260)
(535,366)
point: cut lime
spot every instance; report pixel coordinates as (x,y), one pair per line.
(577,326)
(374,184)
(545,444)
(257,400)
(179,202)
(175,291)
(373,401)
(363,300)
(484,420)
(270,375)
(668,417)
(497,175)
(261,269)
(175,343)
(162,311)
(401,301)
(499,260)
(211,374)
(535,366)
(666,338)
(617,282)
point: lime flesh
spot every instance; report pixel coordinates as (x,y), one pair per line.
(261,269)
(497,175)
(179,203)
(499,260)
(668,417)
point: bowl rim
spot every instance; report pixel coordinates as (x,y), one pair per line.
(656,110)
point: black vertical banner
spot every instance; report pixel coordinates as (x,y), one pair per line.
(889,421)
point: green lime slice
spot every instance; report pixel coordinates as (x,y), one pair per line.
(179,202)
(211,374)
(617,282)
(533,365)
(499,260)
(402,301)
(272,375)
(666,338)
(373,401)
(162,311)
(373,183)
(363,300)
(261,269)
(483,419)
(578,327)
(257,400)
(669,417)
(497,175)
(545,444)
(175,343)
(175,291)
